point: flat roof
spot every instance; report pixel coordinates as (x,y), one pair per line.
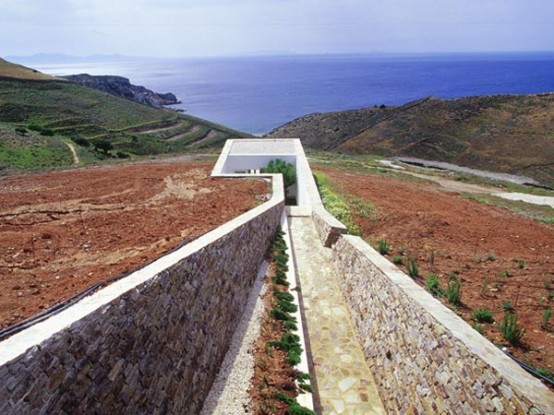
(263,146)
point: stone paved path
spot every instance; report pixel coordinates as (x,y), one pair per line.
(343,381)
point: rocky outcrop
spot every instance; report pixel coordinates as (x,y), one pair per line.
(122,87)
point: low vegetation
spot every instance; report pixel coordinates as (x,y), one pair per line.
(276,381)
(510,329)
(504,133)
(335,204)
(34,105)
(281,166)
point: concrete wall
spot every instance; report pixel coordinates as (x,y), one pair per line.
(150,343)
(424,358)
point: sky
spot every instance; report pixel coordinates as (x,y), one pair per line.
(180,28)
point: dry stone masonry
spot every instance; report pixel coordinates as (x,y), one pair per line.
(421,363)
(155,349)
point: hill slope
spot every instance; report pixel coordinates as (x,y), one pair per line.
(504,133)
(12,70)
(44,114)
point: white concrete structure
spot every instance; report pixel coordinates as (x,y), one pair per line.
(248,156)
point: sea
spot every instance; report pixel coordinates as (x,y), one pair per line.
(256,94)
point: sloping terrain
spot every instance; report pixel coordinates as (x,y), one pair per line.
(504,133)
(10,70)
(61,232)
(36,114)
(503,260)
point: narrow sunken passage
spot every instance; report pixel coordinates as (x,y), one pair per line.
(343,380)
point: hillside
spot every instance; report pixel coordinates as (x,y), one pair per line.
(40,119)
(122,87)
(11,70)
(504,133)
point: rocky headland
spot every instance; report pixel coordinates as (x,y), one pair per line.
(122,87)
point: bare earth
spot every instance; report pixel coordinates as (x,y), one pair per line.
(61,232)
(499,256)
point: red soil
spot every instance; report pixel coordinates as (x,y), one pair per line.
(61,232)
(477,242)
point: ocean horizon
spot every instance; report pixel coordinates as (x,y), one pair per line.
(256,94)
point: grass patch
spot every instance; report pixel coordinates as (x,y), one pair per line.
(541,213)
(335,204)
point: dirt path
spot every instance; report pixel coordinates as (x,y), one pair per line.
(158,130)
(73,153)
(61,232)
(460,187)
(192,130)
(502,259)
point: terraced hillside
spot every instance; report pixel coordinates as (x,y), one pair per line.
(39,116)
(503,133)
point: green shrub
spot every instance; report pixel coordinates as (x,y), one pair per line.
(81,141)
(281,166)
(482,315)
(412,267)
(454,292)
(507,306)
(289,343)
(432,284)
(383,247)
(398,260)
(510,330)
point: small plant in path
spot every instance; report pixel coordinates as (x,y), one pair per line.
(482,315)
(510,329)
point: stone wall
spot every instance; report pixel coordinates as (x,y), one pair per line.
(424,358)
(154,349)
(328,227)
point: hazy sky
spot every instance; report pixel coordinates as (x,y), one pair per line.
(223,27)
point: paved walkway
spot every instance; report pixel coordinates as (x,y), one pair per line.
(343,381)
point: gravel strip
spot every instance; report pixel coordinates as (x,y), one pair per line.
(229,393)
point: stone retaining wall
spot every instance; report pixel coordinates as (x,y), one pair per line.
(424,358)
(154,349)
(328,227)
